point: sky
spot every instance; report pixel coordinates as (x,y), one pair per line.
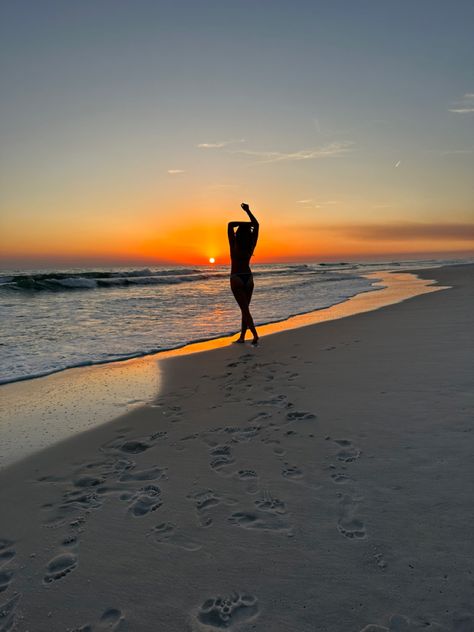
(132,130)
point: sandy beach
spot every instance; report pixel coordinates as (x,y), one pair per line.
(321,482)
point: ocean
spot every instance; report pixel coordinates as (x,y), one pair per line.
(52,320)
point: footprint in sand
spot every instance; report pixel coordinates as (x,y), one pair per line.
(279,451)
(348,453)
(279,401)
(221,458)
(380,561)
(398,623)
(270,504)
(149,474)
(246,433)
(166,533)
(146,500)
(59,567)
(71,504)
(88,481)
(70,541)
(109,620)
(261,521)
(225,612)
(126,445)
(250,477)
(260,416)
(7,613)
(292,472)
(339,478)
(206,500)
(131,446)
(300,416)
(348,525)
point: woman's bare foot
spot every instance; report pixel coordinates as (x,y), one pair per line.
(239,341)
(255,342)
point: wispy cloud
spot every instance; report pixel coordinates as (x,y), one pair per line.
(175,172)
(449,152)
(308,203)
(464,105)
(406,231)
(221,144)
(333,150)
(397,164)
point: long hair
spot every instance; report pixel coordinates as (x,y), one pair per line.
(244,239)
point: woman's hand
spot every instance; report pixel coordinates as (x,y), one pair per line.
(246,208)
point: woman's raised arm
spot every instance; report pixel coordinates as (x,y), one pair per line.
(253,219)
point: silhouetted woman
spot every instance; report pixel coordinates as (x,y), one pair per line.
(242,243)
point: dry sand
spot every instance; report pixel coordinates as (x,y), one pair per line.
(322,482)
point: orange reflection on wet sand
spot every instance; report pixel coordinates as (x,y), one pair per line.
(395,287)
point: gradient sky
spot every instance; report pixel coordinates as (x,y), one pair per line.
(132,130)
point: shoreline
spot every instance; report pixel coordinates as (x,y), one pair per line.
(139,354)
(192,343)
(321,483)
(73,400)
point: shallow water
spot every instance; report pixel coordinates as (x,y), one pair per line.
(53,320)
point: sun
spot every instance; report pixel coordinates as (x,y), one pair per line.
(212,260)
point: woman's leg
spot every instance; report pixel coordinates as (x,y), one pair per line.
(249,292)
(242,295)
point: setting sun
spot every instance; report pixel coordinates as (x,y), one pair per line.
(212,260)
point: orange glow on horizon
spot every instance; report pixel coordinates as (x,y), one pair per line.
(181,239)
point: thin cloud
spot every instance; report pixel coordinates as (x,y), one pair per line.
(333,150)
(464,105)
(309,203)
(449,152)
(398,164)
(220,145)
(406,231)
(175,172)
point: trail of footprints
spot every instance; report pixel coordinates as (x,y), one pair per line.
(90,484)
(117,475)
